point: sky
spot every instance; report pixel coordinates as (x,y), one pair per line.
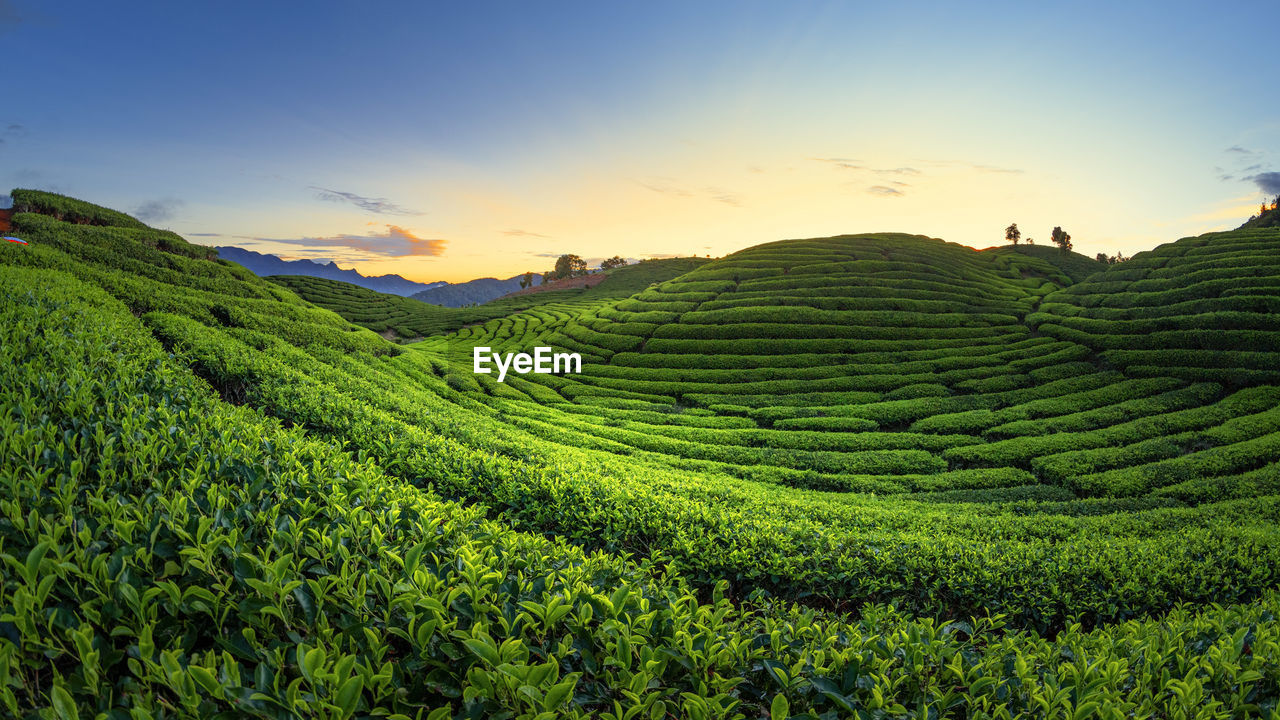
(449,141)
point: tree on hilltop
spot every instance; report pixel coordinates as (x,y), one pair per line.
(567,266)
(1013,234)
(613,262)
(1061,239)
(526,281)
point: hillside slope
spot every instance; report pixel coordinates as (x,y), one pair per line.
(471,292)
(329,568)
(1074,266)
(269,265)
(1268,219)
(393,316)
(901,364)
(400,318)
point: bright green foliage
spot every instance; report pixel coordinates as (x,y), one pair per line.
(1075,266)
(397,317)
(169,554)
(71,210)
(393,316)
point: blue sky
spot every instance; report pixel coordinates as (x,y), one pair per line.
(457,140)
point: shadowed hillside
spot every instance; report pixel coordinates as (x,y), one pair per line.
(1075,266)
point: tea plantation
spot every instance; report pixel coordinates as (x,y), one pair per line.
(401,318)
(876,476)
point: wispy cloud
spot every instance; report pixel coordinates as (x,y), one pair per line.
(884,191)
(395,242)
(976,167)
(666,186)
(997,169)
(851,164)
(523,233)
(205,235)
(1268,182)
(1236,149)
(380,206)
(846,163)
(157,210)
(723,196)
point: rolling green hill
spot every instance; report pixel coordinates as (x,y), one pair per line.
(1035,497)
(407,318)
(1268,219)
(894,364)
(1074,266)
(394,316)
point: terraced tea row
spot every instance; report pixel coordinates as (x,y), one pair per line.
(848,404)
(664,477)
(406,318)
(548,472)
(1202,309)
(172,555)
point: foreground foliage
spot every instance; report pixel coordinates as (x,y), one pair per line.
(168,555)
(221,500)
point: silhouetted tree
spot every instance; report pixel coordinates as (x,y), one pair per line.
(567,266)
(1061,239)
(1013,234)
(1102,257)
(1031,241)
(526,281)
(613,262)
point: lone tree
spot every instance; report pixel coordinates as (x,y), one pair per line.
(567,266)
(526,281)
(1013,234)
(613,262)
(1061,239)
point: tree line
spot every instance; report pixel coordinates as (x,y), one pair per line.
(569,266)
(1058,237)
(1062,239)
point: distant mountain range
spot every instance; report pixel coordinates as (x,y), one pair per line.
(473,291)
(262,265)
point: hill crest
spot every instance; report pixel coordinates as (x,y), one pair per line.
(265,265)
